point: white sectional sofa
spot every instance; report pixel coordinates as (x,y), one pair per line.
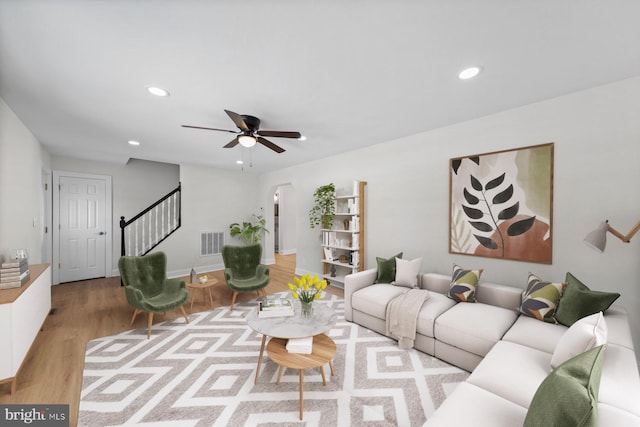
(508,354)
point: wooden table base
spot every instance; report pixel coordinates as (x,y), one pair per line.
(323,351)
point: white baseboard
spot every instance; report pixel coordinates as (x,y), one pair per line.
(287,251)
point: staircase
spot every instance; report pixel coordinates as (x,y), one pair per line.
(149,228)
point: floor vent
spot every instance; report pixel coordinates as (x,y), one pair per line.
(211,243)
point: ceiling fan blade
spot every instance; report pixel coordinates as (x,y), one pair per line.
(280,133)
(270,144)
(238,120)
(200,127)
(232,143)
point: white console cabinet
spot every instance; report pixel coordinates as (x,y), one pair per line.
(23,311)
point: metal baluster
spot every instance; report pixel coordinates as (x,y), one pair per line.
(162,210)
(175,211)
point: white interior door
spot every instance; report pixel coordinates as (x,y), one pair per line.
(83,232)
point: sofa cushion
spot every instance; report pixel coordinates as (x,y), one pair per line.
(512,371)
(569,395)
(579,301)
(540,299)
(436,282)
(431,309)
(407,272)
(463,284)
(585,334)
(620,383)
(474,327)
(532,333)
(373,299)
(470,405)
(387,269)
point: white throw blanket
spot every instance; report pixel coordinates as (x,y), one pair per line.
(402,314)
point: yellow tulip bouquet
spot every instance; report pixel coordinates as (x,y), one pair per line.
(307,288)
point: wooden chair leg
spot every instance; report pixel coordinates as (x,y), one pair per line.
(135,313)
(233,300)
(280,374)
(184,313)
(150,321)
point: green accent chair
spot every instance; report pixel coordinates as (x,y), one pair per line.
(243,271)
(147,287)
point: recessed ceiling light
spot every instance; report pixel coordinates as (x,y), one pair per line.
(240,162)
(302,138)
(136,143)
(157,91)
(469,73)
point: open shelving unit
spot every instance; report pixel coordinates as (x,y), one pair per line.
(343,243)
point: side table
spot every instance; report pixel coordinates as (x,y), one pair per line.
(323,351)
(206,286)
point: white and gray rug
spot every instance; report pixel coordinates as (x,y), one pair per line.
(202,374)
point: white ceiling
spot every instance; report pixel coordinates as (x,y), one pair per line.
(346,74)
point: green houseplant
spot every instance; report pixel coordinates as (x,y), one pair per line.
(324,209)
(249,232)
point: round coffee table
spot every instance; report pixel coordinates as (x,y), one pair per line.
(206,286)
(322,319)
(323,351)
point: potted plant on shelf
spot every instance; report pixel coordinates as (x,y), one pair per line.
(250,232)
(324,209)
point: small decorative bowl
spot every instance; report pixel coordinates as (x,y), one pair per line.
(202,280)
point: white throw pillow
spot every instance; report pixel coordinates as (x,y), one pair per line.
(407,272)
(585,334)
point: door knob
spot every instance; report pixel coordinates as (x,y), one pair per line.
(102,233)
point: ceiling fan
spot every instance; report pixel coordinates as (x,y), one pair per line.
(250,132)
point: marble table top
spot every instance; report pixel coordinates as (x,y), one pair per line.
(322,319)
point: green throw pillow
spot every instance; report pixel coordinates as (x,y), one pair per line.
(569,394)
(387,269)
(463,284)
(579,301)
(540,299)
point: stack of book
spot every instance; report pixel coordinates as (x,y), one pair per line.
(275,307)
(300,345)
(13,273)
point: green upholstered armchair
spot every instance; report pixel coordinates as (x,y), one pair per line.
(147,287)
(243,271)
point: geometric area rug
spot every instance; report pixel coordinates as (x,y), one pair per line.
(202,374)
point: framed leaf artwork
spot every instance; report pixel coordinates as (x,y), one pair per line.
(501,204)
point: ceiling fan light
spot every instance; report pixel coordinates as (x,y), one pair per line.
(157,91)
(247,140)
(469,73)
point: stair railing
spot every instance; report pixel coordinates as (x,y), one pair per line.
(149,228)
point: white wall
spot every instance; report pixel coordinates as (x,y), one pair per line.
(597,170)
(212,199)
(22,160)
(135,186)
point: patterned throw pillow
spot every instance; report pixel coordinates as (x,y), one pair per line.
(387,269)
(569,395)
(464,284)
(540,299)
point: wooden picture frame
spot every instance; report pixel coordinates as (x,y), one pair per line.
(501,204)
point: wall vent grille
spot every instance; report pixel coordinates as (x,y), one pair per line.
(211,243)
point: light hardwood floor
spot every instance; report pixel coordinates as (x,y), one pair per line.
(82,311)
